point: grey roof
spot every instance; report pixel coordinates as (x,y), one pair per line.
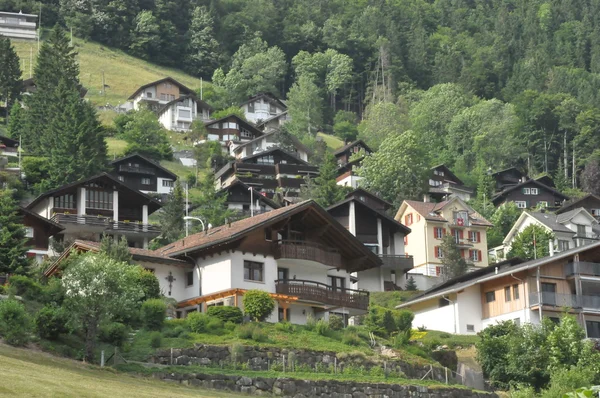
(550,220)
(566,216)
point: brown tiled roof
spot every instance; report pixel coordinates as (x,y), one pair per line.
(225,232)
(428,211)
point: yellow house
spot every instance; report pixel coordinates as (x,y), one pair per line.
(430,222)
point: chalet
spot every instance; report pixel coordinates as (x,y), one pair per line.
(9,147)
(347,174)
(546,180)
(29,87)
(38,231)
(247,201)
(589,202)
(267,172)
(273,139)
(176,105)
(363,215)
(508,178)
(231,129)
(262,107)
(142,174)
(344,154)
(523,292)
(530,194)
(274,122)
(444,184)
(16,25)
(347,168)
(99,205)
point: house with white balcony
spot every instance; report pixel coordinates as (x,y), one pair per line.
(363,214)
(570,229)
(16,25)
(143,174)
(262,107)
(99,205)
(38,231)
(176,105)
(273,139)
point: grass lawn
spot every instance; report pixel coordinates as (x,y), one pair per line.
(122,73)
(116,147)
(27,373)
(391,299)
(331,141)
(451,340)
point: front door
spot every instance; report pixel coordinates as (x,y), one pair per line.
(549,293)
(337,283)
(283,274)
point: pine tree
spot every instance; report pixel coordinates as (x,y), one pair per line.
(116,248)
(13,244)
(560,180)
(73,140)
(411,285)
(203,48)
(171,216)
(16,121)
(454,264)
(10,74)
(323,189)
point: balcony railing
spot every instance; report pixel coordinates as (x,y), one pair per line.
(460,222)
(586,236)
(582,268)
(565,300)
(402,261)
(134,169)
(322,293)
(106,223)
(303,250)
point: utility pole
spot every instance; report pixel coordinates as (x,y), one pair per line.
(71,36)
(31,61)
(201,89)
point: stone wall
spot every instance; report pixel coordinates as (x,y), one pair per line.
(263,358)
(295,388)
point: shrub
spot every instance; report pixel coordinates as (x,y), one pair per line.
(285,327)
(15,325)
(258,304)
(445,336)
(149,284)
(336,322)
(175,322)
(351,338)
(197,322)
(2,289)
(259,335)
(245,331)
(214,325)
(230,326)
(310,322)
(53,292)
(114,333)
(404,320)
(155,339)
(50,322)
(226,313)
(322,327)
(175,332)
(26,287)
(153,314)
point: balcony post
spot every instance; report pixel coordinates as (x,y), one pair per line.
(352,219)
(116,205)
(81,201)
(145,214)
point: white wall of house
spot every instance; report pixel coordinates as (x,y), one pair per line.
(468,308)
(262,110)
(160,188)
(215,273)
(352,181)
(370,280)
(179,289)
(524,316)
(435,317)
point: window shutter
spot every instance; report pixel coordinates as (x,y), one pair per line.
(478,237)
(462,253)
(461,234)
(435,250)
(523,191)
(443,231)
(478,255)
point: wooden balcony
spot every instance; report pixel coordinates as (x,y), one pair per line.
(106,224)
(578,302)
(322,293)
(582,268)
(311,251)
(138,170)
(397,261)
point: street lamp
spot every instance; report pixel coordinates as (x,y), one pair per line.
(187,218)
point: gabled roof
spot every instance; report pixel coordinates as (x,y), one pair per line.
(362,191)
(495,198)
(510,169)
(495,271)
(376,212)
(181,98)
(153,204)
(9,141)
(449,172)
(155,164)
(350,145)
(271,150)
(546,180)
(568,215)
(430,211)
(549,220)
(257,195)
(296,141)
(266,95)
(136,254)
(182,87)
(241,121)
(238,230)
(53,226)
(269,119)
(574,203)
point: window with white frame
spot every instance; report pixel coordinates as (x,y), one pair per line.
(526,191)
(167,183)
(474,255)
(563,245)
(543,203)
(250,107)
(146,181)
(438,252)
(245,133)
(28,232)
(473,236)
(534,191)
(184,113)
(521,204)
(121,178)
(438,232)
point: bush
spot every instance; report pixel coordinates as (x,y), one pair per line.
(214,325)
(15,325)
(53,292)
(322,327)
(197,321)
(285,327)
(114,333)
(404,320)
(153,314)
(149,284)
(245,331)
(176,322)
(25,287)
(336,322)
(155,339)
(259,336)
(50,322)
(310,322)
(226,313)
(350,338)
(258,304)
(175,332)
(2,289)
(230,326)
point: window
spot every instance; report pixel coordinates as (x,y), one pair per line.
(438,232)
(534,191)
(148,94)
(457,234)
(146,181)
(490,297)
(435,183)
(527,191)
(184,114)
(230,125)
(163,96)
(189,278)
(516,292)
(250,107)
(245,133)
(283,274)
(438,252)
(474,236)
(253,271)
(374,248)
(337,282)
(580,230)
(563,245)
(168,183)
(65,201)
(475,255)
(461,218)
(121,178)
(593,329)
(272,109)
(521,204)
(507,293)
(405,240)
(470,328)
(543,203)
(595,212)
(28,232)
(98,199)
(265,160)
(408,219)
(443,302)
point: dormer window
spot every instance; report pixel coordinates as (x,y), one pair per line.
(148,94)
(250,107)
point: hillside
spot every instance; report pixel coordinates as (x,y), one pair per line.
(122,73)
(29,373)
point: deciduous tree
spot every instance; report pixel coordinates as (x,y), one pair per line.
(532,242)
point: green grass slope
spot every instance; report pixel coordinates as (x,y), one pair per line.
(27,373)
(122,73)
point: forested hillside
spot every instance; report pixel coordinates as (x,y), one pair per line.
(482,83)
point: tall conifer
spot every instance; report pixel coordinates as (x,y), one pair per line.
(10,74)
(13,244)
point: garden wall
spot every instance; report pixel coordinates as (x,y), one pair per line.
(286,387)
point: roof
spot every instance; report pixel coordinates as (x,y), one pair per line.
(164,79)
(567,216)
(17,13)
(575,203)
(243,122)
(269,119)
(271,150)
(235,231)
(507,170)
(256,194)
(136,254)
(9,141)
(549,220)
(269,96)
(53,225)
(350,145)
(155,164)
(546,180)
(296,141)
(503,268)
(448,171)
(369,194)
(193,96)
(377,212)
(530,181)
(430,211)
(156,204)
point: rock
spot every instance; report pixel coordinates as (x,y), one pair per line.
(244,381)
